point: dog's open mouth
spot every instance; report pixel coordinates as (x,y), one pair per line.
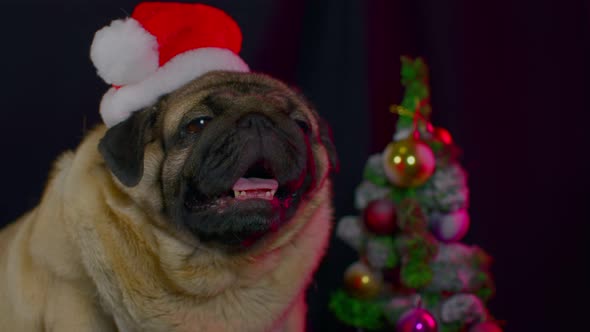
(257,203)
(248,188)
(257,183)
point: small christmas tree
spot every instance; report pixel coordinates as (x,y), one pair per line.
(413,273)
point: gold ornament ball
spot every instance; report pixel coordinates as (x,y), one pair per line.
(361,282)
(408,162)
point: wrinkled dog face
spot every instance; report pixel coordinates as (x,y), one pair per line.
(240,154)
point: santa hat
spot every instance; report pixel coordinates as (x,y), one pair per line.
(161,47)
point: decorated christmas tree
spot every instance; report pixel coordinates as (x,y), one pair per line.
(413,274)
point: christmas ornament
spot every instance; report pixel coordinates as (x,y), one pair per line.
(485,327)
(450,227)
(409,162)
(380,216)
(442,135)
(417,320)
(361,282)
(161,47)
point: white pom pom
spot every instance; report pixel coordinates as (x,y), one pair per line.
(463,307)
(124,52)
(350,230)
(401,134)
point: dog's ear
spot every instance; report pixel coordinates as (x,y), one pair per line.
(327,140)
(325,133)
(122,147)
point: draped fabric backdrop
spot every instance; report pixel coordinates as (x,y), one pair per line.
(509,80)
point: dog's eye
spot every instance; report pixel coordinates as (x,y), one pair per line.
(303,125)
(197,124)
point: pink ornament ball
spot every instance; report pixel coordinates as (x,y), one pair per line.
(417,320)
(451,227)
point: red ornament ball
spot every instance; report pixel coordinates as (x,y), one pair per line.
(417,320)
(485,327)
(442,135)
(380,216)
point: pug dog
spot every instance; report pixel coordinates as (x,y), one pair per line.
(207,211)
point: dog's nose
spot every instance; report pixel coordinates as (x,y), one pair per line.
(254,119)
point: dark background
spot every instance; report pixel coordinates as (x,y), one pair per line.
(509,80)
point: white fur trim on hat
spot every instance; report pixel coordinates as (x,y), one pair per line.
(124,52)
(118,104)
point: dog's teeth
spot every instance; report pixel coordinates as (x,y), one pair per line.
(257,193)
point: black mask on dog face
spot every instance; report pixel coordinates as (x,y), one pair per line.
(248,167)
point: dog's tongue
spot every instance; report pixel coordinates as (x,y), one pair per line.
(245,184)
(255,188)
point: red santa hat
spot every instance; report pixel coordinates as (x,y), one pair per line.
(161,47)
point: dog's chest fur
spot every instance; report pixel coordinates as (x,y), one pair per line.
(144,279)
(257,298)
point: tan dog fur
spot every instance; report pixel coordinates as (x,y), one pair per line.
(95,255)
